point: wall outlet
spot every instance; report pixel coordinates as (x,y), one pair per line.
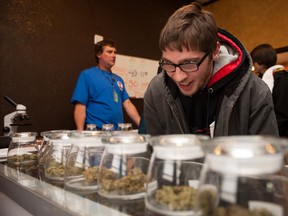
(97,38)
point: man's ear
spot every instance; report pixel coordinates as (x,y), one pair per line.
(216,51)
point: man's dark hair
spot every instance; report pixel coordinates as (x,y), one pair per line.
(264,54)
(100,46)
(190,27)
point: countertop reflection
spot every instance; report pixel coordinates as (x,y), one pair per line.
(33,181)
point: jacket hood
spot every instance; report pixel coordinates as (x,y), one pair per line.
(233,62)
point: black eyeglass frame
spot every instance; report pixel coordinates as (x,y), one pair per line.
(189,62)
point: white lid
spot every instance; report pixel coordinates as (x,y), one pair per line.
(23,137)
(51,132)
(178,152)
(86,138)
(177,147)
(61,143)
(265,164)
(245,155)
(125,143)
(87,141)
(119,148)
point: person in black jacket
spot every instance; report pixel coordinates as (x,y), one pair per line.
(280,99)
(264,58)
(206,85)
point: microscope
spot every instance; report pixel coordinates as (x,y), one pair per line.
(15,119)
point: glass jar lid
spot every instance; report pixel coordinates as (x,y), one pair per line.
(59,139)
(177,147)
(125,143)
(56,134)
(245,155)
(86,138)
(23,136)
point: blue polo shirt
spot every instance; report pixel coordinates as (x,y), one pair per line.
(94,90)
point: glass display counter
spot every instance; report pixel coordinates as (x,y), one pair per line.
(39,197)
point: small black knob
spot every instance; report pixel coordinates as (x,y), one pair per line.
(6,129)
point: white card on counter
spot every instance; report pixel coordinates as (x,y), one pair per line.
(275,209)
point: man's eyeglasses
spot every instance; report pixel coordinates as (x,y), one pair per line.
(187,67)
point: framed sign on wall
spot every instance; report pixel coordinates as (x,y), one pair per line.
(136,73)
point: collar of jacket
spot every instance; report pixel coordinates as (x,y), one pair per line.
(230,74)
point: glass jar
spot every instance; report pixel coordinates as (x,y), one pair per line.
(240,175)
(124,166)
(46,135)
(125,126)
(283,141)
(83,162)
(91,127)
(19,172)
(23,148)
(174,174)
(108,127)
(55,156)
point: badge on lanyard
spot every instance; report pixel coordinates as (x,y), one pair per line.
(115,95)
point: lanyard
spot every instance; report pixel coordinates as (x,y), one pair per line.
(112,80)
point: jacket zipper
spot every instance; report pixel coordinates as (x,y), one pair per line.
(210,91)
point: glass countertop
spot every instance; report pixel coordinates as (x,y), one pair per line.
(40,197)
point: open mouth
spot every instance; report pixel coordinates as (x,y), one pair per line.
(185,86)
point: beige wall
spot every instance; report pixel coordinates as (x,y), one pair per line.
(254,21)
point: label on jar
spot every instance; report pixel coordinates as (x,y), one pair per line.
(277,210)
(194,183)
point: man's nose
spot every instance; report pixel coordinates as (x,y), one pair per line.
(179,75)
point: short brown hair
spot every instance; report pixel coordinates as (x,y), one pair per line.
(100,46)
(190,27)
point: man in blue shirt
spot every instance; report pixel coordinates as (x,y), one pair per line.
(100,94)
